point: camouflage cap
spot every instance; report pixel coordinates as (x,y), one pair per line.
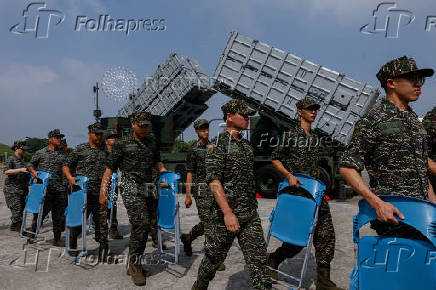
(55,133)
(19,145)
(141,118)
(237,106)
(201,123)
(111,133)
(400,66)
(96,128)
(307,102)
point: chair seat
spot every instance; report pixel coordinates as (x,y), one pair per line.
(74,210)
(396,263)
(35,197)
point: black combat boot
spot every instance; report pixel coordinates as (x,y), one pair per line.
(57,240)
(135,271)
(15,227)
(323,281)
(199,285)
(73,245)
(103,252)
(187,243)
(115,234)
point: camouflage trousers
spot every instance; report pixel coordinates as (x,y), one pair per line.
(54,202)
(323,240)
(114,224)
(98,216)
(204,213)
(399,231)
(16,201)
(140,209)
(251,240)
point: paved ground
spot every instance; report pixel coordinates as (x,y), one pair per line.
(19,270)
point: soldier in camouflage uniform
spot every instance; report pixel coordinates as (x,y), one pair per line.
(51,159)
(89,159)
(300,154)
(230,174)
(390,142)
(195,165)
(16,184)
(64,147)
(429,123)
(135,158)
(110,138)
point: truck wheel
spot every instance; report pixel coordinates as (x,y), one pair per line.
(267,181)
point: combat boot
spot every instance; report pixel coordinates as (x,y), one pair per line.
(103,252)
(57,240)
(145,272)
(31,229)
(270,261)
(73,245)
(15,227)
(135,271)
(221,267)
(155,245)
(323,281)
(115,235)
(187,243)
(199,285)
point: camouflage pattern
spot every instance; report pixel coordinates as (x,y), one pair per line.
(391,144)
(400,66)
(218,241)
(55,133)
(429,123)
(141,118)
(299,153)
(56,199)
(96,128)
(19,145)
(90,162)
(136,159)
(237,106)
(232,162)
(16,188)
(200,123)
(307,102)
(111,133)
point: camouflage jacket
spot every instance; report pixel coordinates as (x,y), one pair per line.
(88,161)
(134,158)
(429,123)
(195,163)
(392,145)
(16,183)
(232,162)
(299,152)
(52,162)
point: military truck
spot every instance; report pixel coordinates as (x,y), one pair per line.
(271,81)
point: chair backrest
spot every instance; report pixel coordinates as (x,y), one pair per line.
(114,181)
(313,186)
(167,205)
(76,201)
(37,191)
(293,219)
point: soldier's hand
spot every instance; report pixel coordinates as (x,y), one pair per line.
(35,174)
(103,201)
(72,180)
(385,213)
(188,201)
(231,222)
(293,181)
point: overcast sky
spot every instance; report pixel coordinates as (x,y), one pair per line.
(47,83)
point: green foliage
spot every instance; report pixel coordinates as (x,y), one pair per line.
(181,146)
(34,144)
(6,148)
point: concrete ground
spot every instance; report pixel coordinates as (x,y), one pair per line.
(19,268)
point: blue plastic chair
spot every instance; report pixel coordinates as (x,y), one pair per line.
(76,212)
(168,214)
(294,218)
(113,196)
(35,202)
(396,263)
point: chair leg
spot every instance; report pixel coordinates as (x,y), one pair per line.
(67,239)
(23,223)
(84,231)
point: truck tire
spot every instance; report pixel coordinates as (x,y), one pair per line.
(267,181)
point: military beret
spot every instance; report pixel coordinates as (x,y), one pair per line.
(401,66)
(200,123)
(55,133)
(19,145)
(237,106)
(307,102)
(141,118)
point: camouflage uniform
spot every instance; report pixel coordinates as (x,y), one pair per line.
(232,163)
(391,144)
(16,186)
(429,123)
(91,163)
(56,198)
(114,225)
(136,160)
(300,154)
